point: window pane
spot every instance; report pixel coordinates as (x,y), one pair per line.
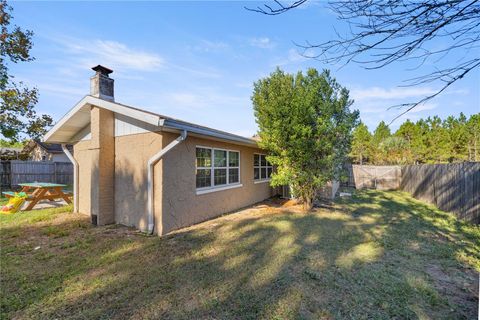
(233,159)
(204,178)
(269,172)
(263,160)
(233,176)
(204,157)
(220,176)
(256,173)
(220,158)
(256,160)
(264,173)
(269,164)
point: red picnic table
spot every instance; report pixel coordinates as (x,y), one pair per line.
(38,191)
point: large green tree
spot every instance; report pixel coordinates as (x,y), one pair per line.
(305,123)
(17,102)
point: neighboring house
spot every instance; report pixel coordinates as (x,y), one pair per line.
(156,173)
(40,151)
(9,153)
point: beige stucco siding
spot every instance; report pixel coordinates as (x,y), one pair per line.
(181,206)
(84,158)
(132,153)
(176,203)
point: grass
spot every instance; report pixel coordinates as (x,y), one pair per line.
(376,255)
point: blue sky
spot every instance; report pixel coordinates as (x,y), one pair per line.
(197,61)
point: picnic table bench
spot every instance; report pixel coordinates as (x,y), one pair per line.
(38,191)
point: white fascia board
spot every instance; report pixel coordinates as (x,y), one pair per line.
(126,111)
(63,120)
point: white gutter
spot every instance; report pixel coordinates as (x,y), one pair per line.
(151,163)
(75,177)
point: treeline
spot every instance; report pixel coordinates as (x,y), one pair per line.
(430,140)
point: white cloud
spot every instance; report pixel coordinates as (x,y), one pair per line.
(204,99)
(61,90)
(85,53)
(211,46)
(292,57)
(295,56)
(376,103)
(390,93)
(263,42)
(424,107)
(114,54)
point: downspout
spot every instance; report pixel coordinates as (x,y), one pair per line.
(151,163)
(75,177)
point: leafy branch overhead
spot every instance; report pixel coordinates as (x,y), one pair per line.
(17,109)
(384,32)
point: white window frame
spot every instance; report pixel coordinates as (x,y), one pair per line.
(259,167)
(212,168)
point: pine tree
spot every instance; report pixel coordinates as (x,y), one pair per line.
(381,133)
(361,143)
(473,137)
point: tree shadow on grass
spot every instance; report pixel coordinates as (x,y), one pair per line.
(369,257)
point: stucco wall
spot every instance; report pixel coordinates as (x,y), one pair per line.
(132,153)
(176,203)
(181,206)
(84,158)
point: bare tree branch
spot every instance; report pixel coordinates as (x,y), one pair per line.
(382,32)
(281,8)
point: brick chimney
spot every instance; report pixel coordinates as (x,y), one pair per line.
(102,150)
(101,85)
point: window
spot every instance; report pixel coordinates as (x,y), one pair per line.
(262,169)
(217,167)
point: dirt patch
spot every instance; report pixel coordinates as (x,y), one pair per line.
(459,286)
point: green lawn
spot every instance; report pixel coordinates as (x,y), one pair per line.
(376,255)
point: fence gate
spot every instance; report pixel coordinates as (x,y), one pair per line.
(376,177)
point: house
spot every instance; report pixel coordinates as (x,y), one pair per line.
(153,172)
(40,151)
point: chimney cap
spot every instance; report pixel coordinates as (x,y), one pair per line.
(103,70)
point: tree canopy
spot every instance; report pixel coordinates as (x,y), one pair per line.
(430,140)
(17,102)
(305,123)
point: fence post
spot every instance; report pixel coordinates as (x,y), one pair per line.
(11,176)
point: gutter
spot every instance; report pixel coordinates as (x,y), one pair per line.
(151,163)
(75,177)
(192,128)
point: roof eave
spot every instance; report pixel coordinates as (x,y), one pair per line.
(63,131)
(53,136)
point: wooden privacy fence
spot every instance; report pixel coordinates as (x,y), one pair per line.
(451,187)
(14,172)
